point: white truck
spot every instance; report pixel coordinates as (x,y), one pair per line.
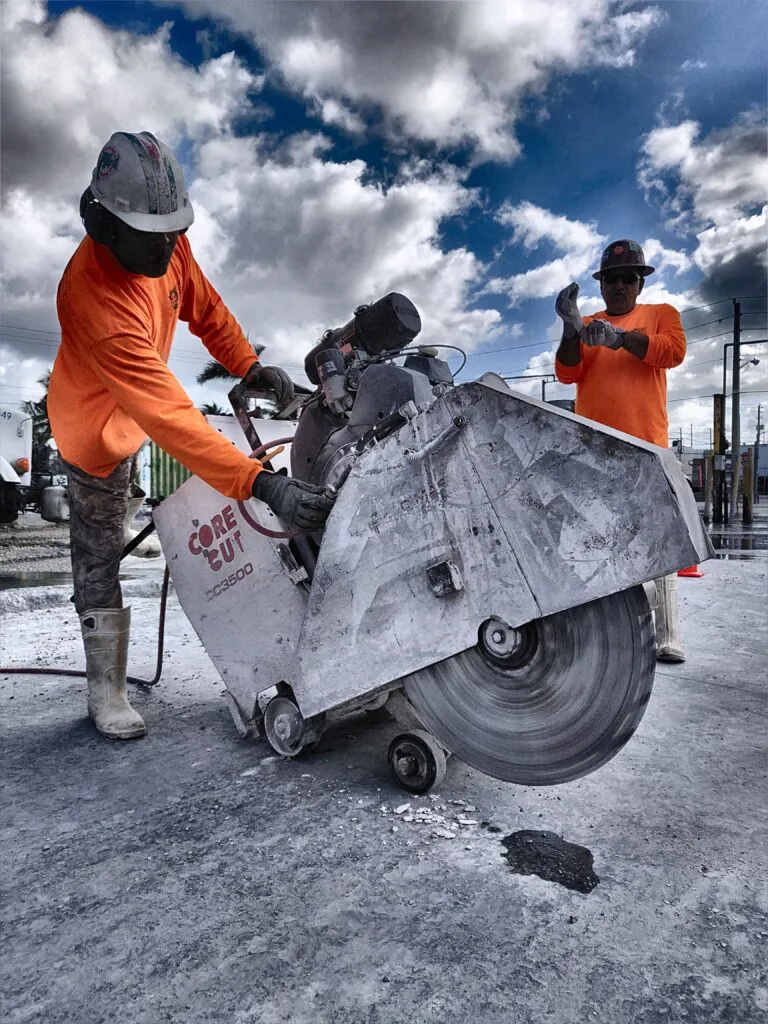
(15,460)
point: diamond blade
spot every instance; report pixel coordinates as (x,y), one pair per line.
(549,702)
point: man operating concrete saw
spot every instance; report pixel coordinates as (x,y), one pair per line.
(130,281)
(618,360)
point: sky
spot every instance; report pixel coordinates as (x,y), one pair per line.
(476,156)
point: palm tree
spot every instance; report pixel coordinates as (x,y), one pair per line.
(215,371)
(41,428)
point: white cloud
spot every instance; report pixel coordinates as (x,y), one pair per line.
(69,83)
(693,65)
(717,186)
(532,225)
(451,74)
(663,259)
(724,243)
(292,238)
(290,214)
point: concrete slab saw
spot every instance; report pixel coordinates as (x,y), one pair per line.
(481,573)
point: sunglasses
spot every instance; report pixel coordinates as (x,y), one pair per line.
(626,277)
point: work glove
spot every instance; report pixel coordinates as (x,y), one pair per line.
(301,506)
(271,378)
(568,310)
(600,332)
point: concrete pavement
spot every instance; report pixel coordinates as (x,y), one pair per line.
(194,877)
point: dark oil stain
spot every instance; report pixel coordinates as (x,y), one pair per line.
(549,856)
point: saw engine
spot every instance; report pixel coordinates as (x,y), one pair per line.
(481,574)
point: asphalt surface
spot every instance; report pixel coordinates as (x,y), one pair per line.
(196,877)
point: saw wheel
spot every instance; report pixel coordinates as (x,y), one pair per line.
(548,702)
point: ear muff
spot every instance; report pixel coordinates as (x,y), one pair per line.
(98,222)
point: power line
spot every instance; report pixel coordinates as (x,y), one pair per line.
(709,305)
(692,398)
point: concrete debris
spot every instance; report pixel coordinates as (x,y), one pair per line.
(442,825)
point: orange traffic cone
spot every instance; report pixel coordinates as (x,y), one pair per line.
(693,572)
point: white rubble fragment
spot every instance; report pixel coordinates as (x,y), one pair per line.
(402,808)
(468,821)
(443,833)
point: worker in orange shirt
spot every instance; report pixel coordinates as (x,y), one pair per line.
(618,360)
(130,281)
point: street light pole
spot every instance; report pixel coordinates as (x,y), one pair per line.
(736,408)
(721,482)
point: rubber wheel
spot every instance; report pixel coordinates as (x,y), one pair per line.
(416,761)
(287,731)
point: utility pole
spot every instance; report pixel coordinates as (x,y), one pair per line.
(691,426)
(736,408)
(719,459)
(746,497)
(757,459)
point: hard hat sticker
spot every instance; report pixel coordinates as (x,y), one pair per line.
(109,158)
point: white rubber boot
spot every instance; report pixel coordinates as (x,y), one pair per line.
(105,635)
(150,546)
(669,646)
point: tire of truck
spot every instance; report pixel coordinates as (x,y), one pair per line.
(9,502)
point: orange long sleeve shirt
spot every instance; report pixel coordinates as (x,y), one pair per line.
(622,391)
(110,386)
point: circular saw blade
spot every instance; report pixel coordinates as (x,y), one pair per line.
(552,706)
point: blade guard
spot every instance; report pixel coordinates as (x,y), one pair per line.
(524,511)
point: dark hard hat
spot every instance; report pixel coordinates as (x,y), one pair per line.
(623,253)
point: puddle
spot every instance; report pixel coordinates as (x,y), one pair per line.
(41,579)
(737,545)
(549,856)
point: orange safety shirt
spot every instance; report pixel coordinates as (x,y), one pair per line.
(622,391)
(110,386)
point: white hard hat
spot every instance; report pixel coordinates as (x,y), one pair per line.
(139,180)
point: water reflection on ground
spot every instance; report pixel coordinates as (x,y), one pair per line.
(43,579)
(736,540)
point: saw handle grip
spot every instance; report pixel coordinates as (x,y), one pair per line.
(238,399)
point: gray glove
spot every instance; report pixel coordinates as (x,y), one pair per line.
(301,506)
(600,332)
(271,378)
(568,310)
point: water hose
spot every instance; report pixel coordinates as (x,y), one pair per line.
(76,673)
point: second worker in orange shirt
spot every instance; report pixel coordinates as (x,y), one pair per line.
(618,360)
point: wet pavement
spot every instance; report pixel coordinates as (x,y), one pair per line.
(735,540)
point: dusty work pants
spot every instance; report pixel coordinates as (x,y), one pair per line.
(97,508)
